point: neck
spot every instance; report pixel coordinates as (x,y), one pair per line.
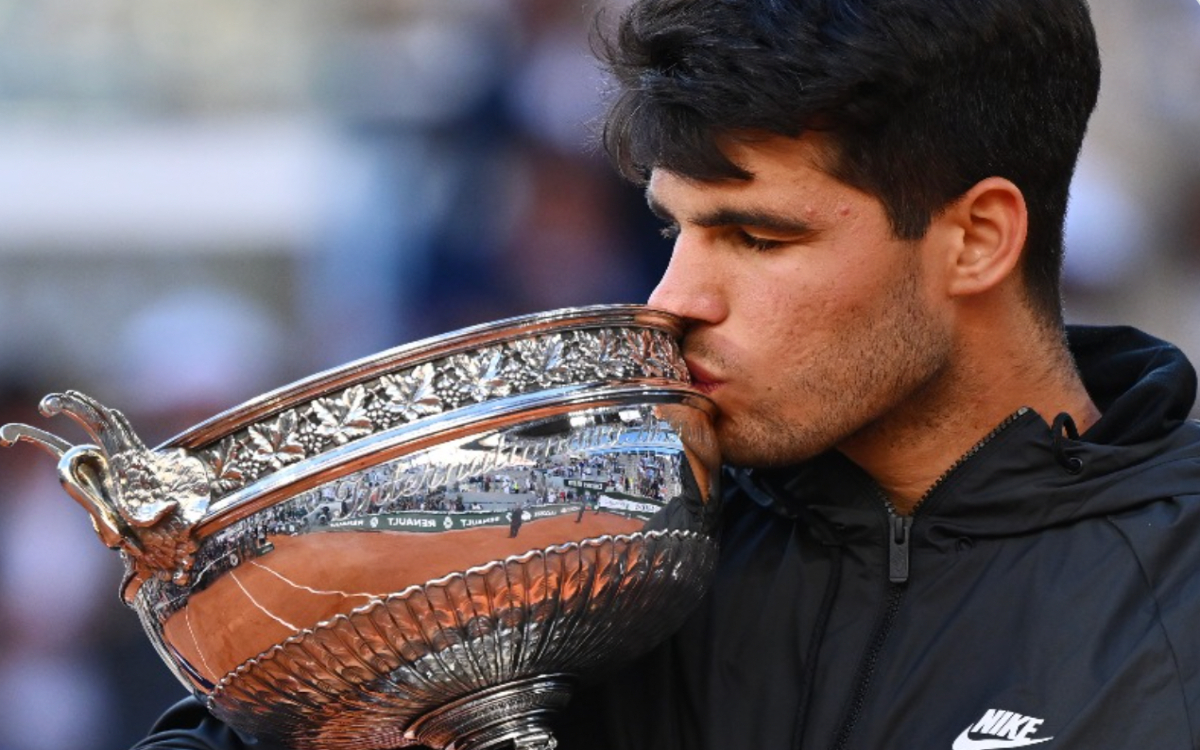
(987,380)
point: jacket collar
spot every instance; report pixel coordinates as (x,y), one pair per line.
(1027,476)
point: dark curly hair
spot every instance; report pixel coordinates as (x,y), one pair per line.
(921,99)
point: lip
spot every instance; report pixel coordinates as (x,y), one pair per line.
(702,380)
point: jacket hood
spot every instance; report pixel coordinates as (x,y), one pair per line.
(1033,472)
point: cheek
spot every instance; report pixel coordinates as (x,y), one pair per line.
(824,299)
(802,306)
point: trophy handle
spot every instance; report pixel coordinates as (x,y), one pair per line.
(80,469)
(144,503)
(11,434)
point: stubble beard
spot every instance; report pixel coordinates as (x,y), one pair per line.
(866,373)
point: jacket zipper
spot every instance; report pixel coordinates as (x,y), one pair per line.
(899,536)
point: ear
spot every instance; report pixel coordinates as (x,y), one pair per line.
(990,223)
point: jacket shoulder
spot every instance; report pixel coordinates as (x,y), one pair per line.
(1164,539)
(189,726)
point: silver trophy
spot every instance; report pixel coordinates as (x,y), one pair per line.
(429,546)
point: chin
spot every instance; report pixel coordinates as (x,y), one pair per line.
(744,453)
(771,443)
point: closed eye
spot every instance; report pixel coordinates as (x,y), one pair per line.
(758,244)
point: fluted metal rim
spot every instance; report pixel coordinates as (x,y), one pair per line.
(365,609)
(239,696)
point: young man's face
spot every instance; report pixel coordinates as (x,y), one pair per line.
(808,322)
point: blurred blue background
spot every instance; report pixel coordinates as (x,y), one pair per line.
(203,199)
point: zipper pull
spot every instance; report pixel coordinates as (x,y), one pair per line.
(898,549)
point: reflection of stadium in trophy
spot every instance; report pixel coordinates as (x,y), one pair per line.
(423,548)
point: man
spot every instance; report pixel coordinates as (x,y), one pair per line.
(962,527)
(517,516)
(951,523)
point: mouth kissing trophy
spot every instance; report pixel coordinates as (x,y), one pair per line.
(429,546)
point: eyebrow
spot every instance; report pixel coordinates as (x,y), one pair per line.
(724,217)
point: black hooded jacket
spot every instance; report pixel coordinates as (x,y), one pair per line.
(1045,592)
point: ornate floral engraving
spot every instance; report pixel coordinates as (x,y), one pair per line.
(523,365)
(227,463)
(546,358)
(666,356)
(411,396)
(634,347)
(479,377)
(343,417)
(276,444)
(657,354)
(602,350)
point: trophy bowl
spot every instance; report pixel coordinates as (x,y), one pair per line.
(428,546)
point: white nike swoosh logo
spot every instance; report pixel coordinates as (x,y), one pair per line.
(964,742)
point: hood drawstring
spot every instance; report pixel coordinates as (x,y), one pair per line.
(1064,431)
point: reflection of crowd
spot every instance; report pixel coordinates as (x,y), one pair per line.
(650,474)
(437,502)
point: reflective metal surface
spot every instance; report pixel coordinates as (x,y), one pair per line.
(429,546)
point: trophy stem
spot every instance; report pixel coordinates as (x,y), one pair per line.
(512,715)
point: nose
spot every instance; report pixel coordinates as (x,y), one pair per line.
(690,287)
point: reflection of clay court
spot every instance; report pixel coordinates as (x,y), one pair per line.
(310,578)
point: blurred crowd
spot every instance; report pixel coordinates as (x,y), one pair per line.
(204,199)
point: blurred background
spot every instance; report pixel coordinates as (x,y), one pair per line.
(201,200)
